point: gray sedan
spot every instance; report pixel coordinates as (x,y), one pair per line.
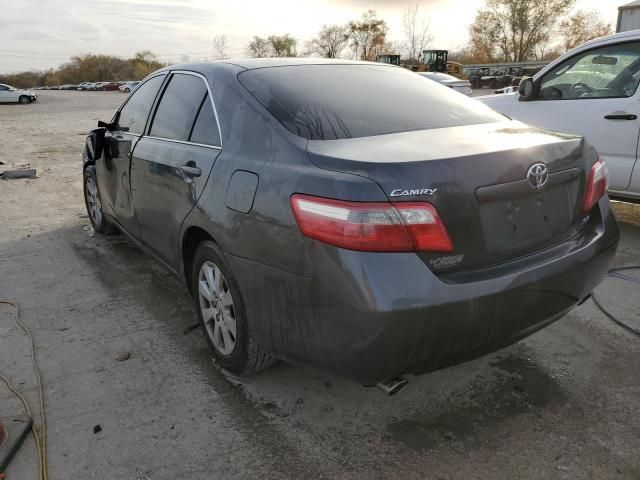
(348,215)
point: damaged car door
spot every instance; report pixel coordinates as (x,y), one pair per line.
(170,165)
(120,139)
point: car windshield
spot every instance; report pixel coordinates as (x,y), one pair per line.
(326,102)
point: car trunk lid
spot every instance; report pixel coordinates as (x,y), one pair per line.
(477,178)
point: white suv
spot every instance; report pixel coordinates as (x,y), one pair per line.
(591,91)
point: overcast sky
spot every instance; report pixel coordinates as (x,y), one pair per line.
(38,34)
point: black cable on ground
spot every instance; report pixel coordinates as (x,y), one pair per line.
(612,317)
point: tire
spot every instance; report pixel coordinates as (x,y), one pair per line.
(93,203)
(126,90)
(24,100)
(222,314)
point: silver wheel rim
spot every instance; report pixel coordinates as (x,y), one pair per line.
(216,306)
(93,201)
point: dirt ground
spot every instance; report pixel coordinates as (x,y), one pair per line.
(563,404)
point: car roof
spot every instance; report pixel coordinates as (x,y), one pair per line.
(602,41)
(630,35)
(254,63)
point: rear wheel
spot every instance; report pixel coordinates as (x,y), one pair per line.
(94,204)
(222,314)
(24,99)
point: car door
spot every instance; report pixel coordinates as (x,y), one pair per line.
(6,94)
(594,94)
(171,165)
(113,170)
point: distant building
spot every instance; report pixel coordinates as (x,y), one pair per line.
(629,17)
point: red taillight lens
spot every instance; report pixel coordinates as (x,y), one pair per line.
(597,184)
(371,227)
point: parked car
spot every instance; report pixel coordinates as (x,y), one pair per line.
(506,90)
(98,86)
(9,94)
(462,86)
(349,215)
(129,87)
(110,86)
(591,91)
(83,86)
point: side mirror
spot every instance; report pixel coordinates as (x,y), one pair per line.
(526,89)
(94,145)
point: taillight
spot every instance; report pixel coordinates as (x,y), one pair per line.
(597,184)
(372,227)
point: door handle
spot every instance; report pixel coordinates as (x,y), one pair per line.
(191,170)
(621,116)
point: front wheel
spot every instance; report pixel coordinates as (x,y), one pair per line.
(222,314)
(94,204)
(24,99)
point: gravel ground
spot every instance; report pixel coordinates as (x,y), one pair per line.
(563,404)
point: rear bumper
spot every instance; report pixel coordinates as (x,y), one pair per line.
(384,315)
(372,316)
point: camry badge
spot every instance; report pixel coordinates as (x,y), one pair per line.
(399,192)
(538,175)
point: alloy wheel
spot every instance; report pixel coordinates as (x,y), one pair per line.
(216,306)
(93,201)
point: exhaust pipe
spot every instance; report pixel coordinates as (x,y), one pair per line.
(393,385)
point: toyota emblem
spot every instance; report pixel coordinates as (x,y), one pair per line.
(538,175)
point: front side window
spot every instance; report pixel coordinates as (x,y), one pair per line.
(178,107)
(3,88)
(134,113)
(607,72)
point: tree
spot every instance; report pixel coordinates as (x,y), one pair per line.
(330,41)
(144,63)
(283,45)
(220,47)
(483,38)
(511,30)
(258,48)
(367,35)
(89,68)
(273,46)
(582,26)
(416,32)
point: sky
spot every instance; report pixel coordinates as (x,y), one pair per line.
(39,34)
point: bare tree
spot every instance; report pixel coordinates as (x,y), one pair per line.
(329,43)
(367,35)
(582,26)
(416,32)
(220,47)
(511,30)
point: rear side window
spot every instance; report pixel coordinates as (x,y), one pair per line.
(134,113)
(205,130)
(178,107)
(326,102)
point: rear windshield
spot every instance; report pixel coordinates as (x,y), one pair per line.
(326,102)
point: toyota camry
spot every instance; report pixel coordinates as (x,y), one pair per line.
(349,215)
